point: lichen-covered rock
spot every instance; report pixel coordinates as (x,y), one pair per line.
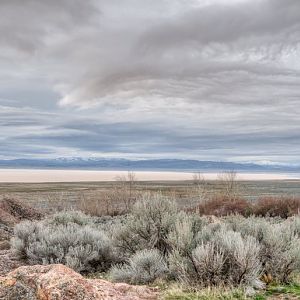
(57,282)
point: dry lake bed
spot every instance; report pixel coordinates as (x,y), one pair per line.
(44,187)
(40,176)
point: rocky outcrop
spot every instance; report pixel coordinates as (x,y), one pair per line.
(13,211)
(57,282)
(4,245)
(8,262)
(5,231)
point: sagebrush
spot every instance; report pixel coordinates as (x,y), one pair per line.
(156,240)
(67,238)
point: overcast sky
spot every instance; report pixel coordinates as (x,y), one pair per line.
(203,79)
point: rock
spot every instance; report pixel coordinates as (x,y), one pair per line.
(4,245)
(13,211)
(8,262)
(58,282)
(5,232)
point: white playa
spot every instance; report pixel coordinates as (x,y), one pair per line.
(36,176)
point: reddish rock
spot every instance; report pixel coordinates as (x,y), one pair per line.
(57,282)
(13,211)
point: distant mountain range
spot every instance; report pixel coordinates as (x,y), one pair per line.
(146,164)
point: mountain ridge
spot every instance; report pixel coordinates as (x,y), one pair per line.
(143,164)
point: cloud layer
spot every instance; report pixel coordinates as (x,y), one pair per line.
(207,79)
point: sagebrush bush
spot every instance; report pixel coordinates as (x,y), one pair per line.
(209,262)
(65,238)
(220,256)
(252,246)
(280,252)
(23,235)
(143,267)
(242,256)
(185,232)
(279,241)
(156,240)
(66,217)
(151,220)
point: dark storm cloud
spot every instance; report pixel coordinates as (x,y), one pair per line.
(209,79)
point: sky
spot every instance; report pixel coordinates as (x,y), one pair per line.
(190,79)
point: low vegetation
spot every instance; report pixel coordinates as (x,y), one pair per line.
(66,238)
(117,200)
(278,292)
(283,207)
(158,242)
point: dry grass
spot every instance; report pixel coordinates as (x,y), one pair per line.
(283,207)
(220,197)
(223,206)
(219,206)
(113,202)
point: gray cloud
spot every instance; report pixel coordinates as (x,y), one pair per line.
(28,26)
(204,79)
(226,24)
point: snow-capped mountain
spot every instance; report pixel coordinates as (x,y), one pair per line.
(145,164)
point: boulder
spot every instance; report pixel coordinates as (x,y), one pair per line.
(58,282)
